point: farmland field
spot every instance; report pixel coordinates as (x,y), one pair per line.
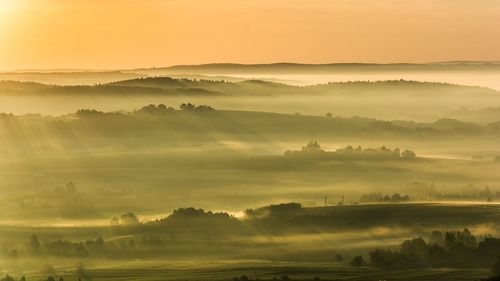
(263,270)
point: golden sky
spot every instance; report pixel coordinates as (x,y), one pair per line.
(108,34)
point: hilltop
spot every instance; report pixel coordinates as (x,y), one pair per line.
(171,86)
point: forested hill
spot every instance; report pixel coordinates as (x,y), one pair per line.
(181,87)
(161,126)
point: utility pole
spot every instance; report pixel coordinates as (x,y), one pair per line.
(325,202)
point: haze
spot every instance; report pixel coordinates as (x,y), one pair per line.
(129,33)
(249,140)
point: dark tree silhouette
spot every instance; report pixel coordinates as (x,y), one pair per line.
(358,261)
(338,258)
(495,269)
(35,243)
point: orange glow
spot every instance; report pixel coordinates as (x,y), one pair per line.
(138,33)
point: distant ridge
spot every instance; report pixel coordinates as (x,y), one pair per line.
(271,72)
(290,68)
(444,65)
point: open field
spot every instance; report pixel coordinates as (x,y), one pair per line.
(263,270)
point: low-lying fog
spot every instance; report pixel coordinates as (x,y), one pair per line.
(483,79)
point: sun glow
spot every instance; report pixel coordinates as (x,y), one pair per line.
(8,9)
(130,33)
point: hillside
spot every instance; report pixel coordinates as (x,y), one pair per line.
(170,86)
(153,125)
(68,77)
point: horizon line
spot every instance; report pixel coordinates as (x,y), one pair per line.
(99,70)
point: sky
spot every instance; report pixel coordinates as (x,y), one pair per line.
(112,34)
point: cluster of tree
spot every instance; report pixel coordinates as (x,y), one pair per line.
(148,109)
(358,261)
(192,107)
(181,220)
(161,108)
(125,223)
(449,249)
(136,237)
(90,248)
(133,237)
(284,209)
(69,188)
(66,248)
(186,213)
(96,114)
(84,113)
(155,109)
(6,116)
(379,197)
(166,82)
(313,149)
(470,193)
(61,200)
